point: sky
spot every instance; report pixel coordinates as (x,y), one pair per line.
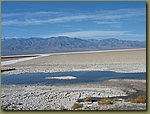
(86,20)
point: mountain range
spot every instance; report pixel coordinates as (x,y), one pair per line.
(19,46)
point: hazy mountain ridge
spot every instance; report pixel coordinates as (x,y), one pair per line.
(63,44)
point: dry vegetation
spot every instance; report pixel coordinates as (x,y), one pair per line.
(139,99)
(88,99)
(62,108)
(105,101)
(77,105)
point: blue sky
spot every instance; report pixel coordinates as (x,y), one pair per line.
(87,20)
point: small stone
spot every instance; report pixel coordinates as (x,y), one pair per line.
(20,103)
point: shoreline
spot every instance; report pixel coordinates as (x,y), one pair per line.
(128,61)
(74,68)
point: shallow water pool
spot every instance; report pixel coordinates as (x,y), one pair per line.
(61,77)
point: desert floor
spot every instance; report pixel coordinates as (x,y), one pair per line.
(51,97)
(118,61)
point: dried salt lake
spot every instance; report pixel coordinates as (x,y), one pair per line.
(58,78)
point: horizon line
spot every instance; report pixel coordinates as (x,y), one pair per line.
(36,37)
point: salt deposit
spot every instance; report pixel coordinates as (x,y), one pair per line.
(62,77)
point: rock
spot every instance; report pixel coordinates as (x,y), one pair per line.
(66,94)
(3,96)
(20,103)
(79,95)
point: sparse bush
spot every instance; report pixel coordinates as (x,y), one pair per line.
(105,101)
(139,99)
(62,108)
(88,99)
(116,99)
(77,105)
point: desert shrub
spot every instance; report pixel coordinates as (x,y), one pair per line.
(77,105)
(116,99)
(87,99)
(139,99)
(105,101)
(62,108)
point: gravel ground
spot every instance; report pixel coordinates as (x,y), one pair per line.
(42,97)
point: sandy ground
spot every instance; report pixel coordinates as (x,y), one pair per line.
(118,61)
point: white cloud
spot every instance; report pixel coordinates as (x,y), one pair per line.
(105,17)
(7,15)
(11,22)
(7,37)
(33,21)
(29,14)
(106,22)
(92,33)
(95,34)
(99,34)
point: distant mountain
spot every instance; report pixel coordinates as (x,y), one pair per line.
(63,44)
